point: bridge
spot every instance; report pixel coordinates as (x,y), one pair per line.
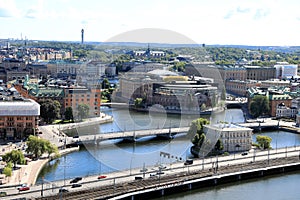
(115,104)
(168,133)
(235,104)
(270,124)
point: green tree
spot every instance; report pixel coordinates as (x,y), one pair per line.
(83,111)
(7,171)
(38,146)
(219,145)
(14,156)
(196,126)
(49,110)
(264,142)
(259,106)
(105,84)
(138,102)
(69,114)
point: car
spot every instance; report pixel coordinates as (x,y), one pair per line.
(75,180)
(244,153)
(152,175)
(24,188)
(160,173)
(188,162)
(76,185)
(101,177)
(138,178)
(3,194)
(61,190)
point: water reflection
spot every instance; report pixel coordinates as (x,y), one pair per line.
(116,155)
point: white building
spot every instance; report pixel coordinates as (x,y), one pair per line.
(234,137)
(283,111)
(286,71)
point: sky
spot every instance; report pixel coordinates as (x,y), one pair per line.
(224,22)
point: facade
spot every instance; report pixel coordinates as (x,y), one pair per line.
(234,138)
(82,95)
(190,96)
(283,111)
(274,82)
(240,87)
(233,73)
(260,73)
(286,71)
(18,118)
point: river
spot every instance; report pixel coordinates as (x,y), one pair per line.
(116,155)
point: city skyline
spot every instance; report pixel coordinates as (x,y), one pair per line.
(232,22)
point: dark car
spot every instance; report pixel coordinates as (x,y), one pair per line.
(244,153)
(63,190)
(75,180)
(188,162)
(76,185)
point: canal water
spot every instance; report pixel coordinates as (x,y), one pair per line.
(279,187)
(115,155)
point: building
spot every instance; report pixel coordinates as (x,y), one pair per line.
(174,93)
(283,111)
(234,137)
(233,72)
(286,71)
(274,96)
(275,82)
(76,95)
(260,73)
(239,87)
(18,118)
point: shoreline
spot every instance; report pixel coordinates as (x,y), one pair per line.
(27,174)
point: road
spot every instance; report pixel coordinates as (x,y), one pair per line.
(120,182)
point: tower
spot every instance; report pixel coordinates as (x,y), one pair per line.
(82,35)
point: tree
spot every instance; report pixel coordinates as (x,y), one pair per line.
(105,84)
(196,126)
(219,145)
(264,142)
(38,146)
(15,156)
(259,106)
(138,102)
(7,171)
(83,111)
(69,114)
(49,110)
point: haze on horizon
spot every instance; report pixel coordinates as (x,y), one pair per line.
(230,22)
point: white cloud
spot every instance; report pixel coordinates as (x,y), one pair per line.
(8,9)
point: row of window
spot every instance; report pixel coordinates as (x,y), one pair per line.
(236,134)
(13,118)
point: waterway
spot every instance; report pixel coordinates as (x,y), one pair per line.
(279,187)
(116,155)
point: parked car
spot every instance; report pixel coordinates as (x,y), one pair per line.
(244,153)
(75,180)
(101,177)
(76,185)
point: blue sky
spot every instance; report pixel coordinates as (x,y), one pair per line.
(247,22)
